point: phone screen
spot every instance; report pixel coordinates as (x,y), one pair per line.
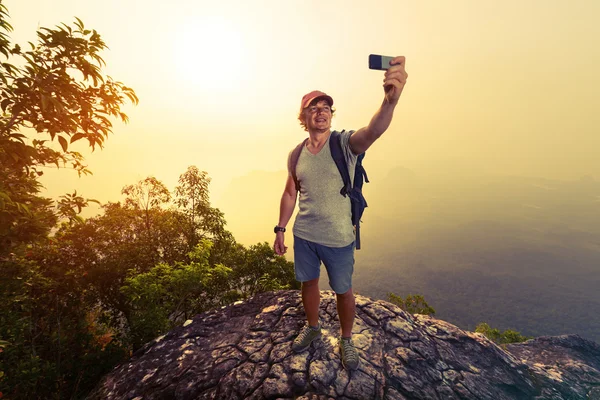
(379,62)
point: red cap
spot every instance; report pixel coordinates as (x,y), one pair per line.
(306,100)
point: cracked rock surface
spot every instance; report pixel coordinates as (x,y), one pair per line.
(243,351)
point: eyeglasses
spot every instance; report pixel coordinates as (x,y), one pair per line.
(315,109)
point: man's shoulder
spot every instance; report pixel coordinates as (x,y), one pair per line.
(344,132)
(298,146)
(294,153)
(345,139)
(344,135)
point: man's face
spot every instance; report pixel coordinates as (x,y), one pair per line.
(318,116)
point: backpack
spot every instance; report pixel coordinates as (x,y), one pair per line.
(354,191)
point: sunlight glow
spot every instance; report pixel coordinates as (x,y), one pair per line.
(207,53)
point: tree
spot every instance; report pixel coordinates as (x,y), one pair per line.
(414,304)
(494,334)
(192,198)
(53,350)
(200,220)
(106,249)
(25,217)
(167,295)
(258,269)
(146,195)
(53,93)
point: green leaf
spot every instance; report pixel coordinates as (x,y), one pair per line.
(63,142)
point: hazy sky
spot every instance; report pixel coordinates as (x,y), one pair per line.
(504,87)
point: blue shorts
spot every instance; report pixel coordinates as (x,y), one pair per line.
(339,262)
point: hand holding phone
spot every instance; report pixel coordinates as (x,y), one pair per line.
(378,62)
(395,74)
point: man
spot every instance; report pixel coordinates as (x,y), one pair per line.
(323,230)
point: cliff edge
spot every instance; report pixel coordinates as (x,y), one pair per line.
(243,351)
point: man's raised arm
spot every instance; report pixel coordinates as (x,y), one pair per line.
(393,84)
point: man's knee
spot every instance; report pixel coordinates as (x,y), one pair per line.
(310,284)
(346,295)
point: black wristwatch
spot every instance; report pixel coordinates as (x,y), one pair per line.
(278,229)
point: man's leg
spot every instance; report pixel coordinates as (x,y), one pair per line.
(346,308)
(307,266)
(340,266)
(311,298)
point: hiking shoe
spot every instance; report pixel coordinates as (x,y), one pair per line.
(350,359)
(305,338)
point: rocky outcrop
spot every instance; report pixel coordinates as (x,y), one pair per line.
(243,351)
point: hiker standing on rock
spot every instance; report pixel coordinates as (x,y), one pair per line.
(323,230)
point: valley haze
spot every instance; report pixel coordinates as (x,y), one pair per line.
(516,252)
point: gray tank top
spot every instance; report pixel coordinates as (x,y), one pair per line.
(324,215)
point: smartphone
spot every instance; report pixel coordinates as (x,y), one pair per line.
(379,62)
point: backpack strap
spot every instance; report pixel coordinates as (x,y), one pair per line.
(335,145)
(355,194)
(360,175)
(294,162)
(359,203)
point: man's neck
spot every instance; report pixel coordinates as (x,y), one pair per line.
(317,138)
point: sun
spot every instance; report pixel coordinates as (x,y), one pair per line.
(208,53)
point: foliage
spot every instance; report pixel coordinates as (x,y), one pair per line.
(70,206)
(125,276)
(505,337)
(25,217)
(53,90)
(53,349)
(78,296)
(192,199)
(51,95)
(200,220)
(258,269)
(168,295)
(59,90)
(147,195)
(414,304)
